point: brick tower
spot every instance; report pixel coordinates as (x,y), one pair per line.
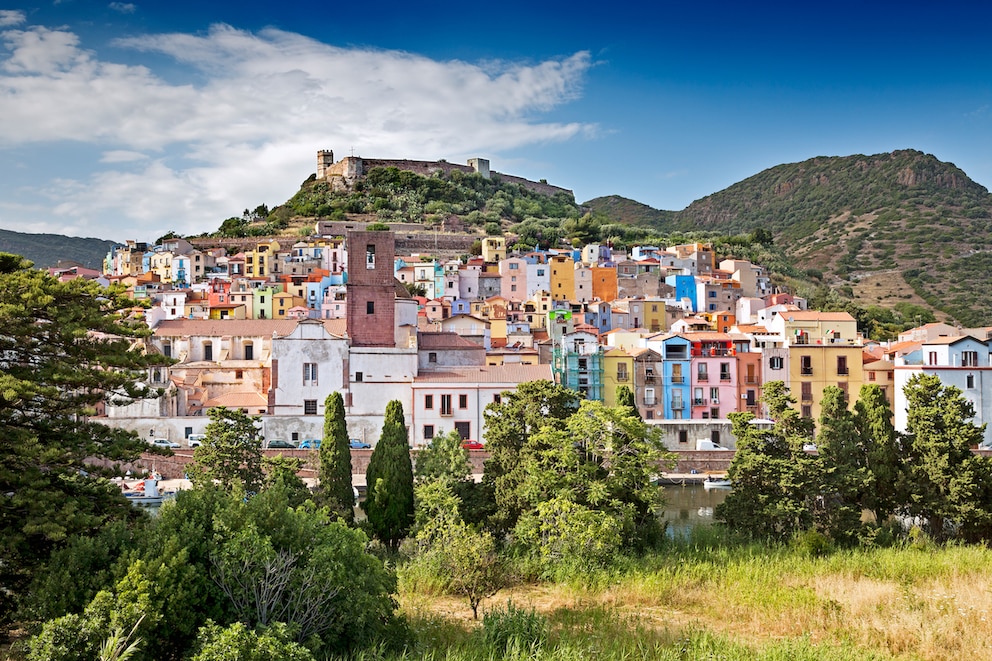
(371,289)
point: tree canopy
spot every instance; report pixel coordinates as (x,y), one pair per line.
(63,349)
(231,452)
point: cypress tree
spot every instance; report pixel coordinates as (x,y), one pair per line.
(842,475)
(336,488)
(389,499)
(625,397)
(885,483)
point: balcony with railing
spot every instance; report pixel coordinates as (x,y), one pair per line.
(697,401)
(622,376)
(678,404)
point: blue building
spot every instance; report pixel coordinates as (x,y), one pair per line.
(676,363)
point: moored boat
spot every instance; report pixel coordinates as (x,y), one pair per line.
(146,493)
(716,482)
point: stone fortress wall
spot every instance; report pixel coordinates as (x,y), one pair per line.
(343,174)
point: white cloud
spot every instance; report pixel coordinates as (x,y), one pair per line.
(123,7)
(122,156)
(10,17)
(247,132)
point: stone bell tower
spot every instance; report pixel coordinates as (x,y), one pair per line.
(371,303)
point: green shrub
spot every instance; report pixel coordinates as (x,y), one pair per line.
(812,543)
(514,628)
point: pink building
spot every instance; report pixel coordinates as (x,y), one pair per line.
(513,274)
(714,375)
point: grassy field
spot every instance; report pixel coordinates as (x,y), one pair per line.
(727,601)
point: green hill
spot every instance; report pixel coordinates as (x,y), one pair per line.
(48,249)
(892,230)
(625,211)
(882,227)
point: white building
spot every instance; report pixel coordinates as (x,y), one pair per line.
(962,361)
(456,398)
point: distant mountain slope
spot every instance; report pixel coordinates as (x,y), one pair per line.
(47,249)
(883,225)
(629,212)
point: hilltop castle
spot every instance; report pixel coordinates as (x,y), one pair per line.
(343,174)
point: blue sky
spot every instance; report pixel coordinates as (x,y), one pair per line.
(127,120)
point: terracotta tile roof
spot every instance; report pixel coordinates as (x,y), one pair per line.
(491,374)
(511,351)
(444,340)
(948,339)
(903,347)
(239,400)
(705,335)
(240,327)
(816,315)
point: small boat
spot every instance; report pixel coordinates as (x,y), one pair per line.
(146,493)
(714,482)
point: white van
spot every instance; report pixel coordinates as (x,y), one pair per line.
(195,440)
(704,444)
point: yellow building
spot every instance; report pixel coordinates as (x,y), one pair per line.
(497,331)
(160,263)
(493,249)
(618,370)
(825,349)
(258,262)
(283,302)
(562,277)
(654,315)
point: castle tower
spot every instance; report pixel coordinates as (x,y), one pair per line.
(371,303)
(325,158)
(480,165)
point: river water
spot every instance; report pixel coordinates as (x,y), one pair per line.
(685,507)
(689,506)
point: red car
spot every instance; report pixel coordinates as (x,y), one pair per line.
(469,444)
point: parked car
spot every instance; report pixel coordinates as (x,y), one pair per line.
(280,444)
(165,443)
(310,444)
(470,444)
(704,444)
(356,444)
(195,440)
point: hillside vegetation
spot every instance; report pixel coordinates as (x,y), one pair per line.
(48,249)
(906,219)
(457,201)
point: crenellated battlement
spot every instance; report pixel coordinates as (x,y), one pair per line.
(343,174)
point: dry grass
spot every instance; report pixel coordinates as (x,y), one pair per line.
(934,606)
(885,289)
